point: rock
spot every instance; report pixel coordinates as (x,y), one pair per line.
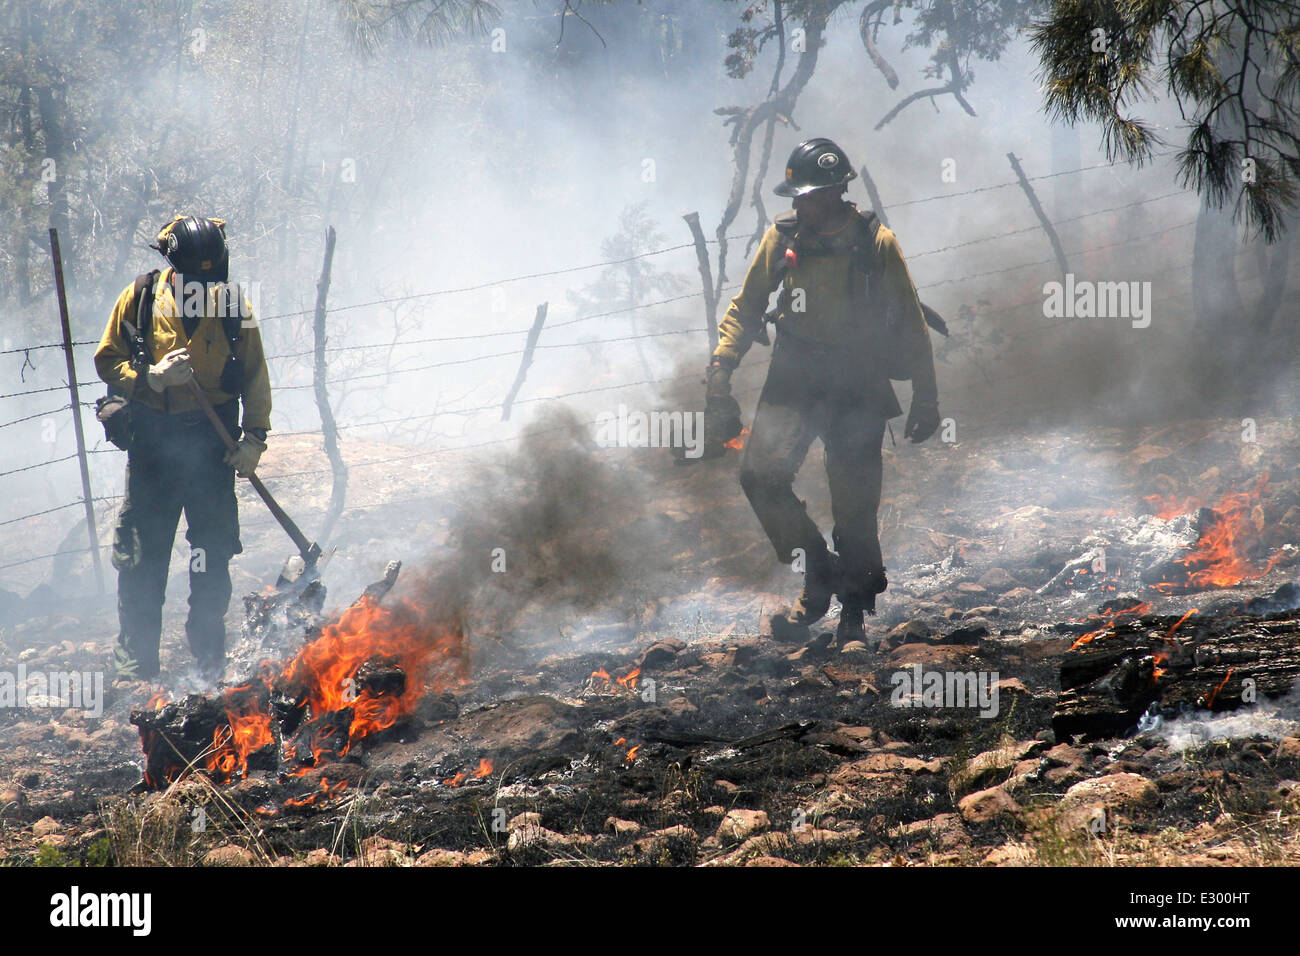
(321,857)
(381,851)
(823,837)
(739,825)
(968,633)
(877,764)
(909,632)
(12,797)
(680,706)
(1105,798)
(45,826)
(453,858)
(985,806)
(1063,755)
(623,827)
(992,766)
(997,580)
(660,653)
(521,820)
(1016,595)
(984,610)
(1288,748)
(1012,686)
(944,830)
(855,648)
(228,856)
(533,835)
(939,655)
(660,840)
(769,861)
(970,588)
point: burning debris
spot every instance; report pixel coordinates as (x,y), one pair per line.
(1181,548)
(1140,666)
(356,677)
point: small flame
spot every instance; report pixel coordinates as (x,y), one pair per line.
(1214,694)
(738,443)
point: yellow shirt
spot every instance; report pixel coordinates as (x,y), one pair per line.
(209,348)
(828,301)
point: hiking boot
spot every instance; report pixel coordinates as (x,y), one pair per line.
(820,583)
(850,627)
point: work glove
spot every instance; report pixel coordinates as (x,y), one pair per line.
(245,456)
(922,420)
(174,369)
(721,412)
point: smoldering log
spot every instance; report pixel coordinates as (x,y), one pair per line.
(178,737)
(1213,664)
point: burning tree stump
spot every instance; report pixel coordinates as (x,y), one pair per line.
(1216,664)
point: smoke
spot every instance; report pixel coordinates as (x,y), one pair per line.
(547,533)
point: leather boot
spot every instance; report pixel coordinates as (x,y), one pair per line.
(820,582)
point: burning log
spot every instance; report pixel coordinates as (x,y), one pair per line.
(361,675)
(226,736)
(1124,670)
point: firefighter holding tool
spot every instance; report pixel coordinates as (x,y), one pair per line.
(169,330)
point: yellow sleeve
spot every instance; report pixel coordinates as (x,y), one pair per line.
(256,392)
(744,318)
(905,306)
(113,357)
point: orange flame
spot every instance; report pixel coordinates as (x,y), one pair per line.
(484,769)
(1219,559)
(431,655)
(738,443)
(1214,694)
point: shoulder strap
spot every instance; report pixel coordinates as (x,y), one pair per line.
(786,224)
(864,250)
(231,318)
(143,296)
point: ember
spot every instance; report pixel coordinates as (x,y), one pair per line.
(364,674)
(1228,531)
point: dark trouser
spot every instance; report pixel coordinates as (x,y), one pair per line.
(175,464)
(810,394)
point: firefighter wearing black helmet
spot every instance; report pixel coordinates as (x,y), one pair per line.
(167,328)
(847,321)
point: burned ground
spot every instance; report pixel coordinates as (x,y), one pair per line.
(672,730)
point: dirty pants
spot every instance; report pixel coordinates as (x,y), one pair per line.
(174,465)
(810,393)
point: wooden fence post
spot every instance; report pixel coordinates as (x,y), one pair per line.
(62,292)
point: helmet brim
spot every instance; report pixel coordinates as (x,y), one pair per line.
(790,191)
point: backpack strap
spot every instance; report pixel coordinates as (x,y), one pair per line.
(231,318)
(143,294)
(864,249)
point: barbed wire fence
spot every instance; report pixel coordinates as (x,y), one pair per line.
(533,346)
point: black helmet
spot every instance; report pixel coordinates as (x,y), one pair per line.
(196,248)
(815,164)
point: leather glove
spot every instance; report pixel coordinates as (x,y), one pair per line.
(922,420)
(245,456)
(721,412)
(174,369)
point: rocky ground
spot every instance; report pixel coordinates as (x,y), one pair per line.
(744,751)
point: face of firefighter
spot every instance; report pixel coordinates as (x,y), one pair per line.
(823,209)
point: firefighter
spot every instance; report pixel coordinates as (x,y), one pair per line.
(172,326)
(847,321)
